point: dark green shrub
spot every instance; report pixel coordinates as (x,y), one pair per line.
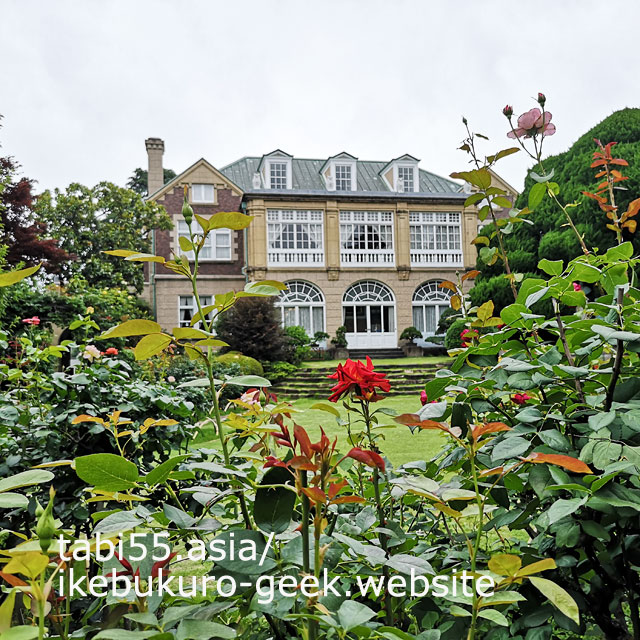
(340,339)
(410,334)
(300,342)
(452,338)
(446,320)
(252,327)
(276,371)
(245,364)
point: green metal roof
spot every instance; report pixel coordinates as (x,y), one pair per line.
(306,176)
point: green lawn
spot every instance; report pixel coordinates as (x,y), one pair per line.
(316,364)
(399,444)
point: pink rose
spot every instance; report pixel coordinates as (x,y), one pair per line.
(577,287)
(531,124)
(35,321)
(423,398)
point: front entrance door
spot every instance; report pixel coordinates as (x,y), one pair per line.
(370,326)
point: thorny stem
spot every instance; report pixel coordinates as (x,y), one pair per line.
(503,252)
(565,346)
(388,605)
(212,385)
(617,364)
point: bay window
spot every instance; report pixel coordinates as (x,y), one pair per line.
(295,238)
(436,238)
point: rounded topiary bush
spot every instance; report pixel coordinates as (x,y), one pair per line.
(248,366)
(452,338)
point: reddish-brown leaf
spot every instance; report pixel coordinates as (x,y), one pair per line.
(315,495)
(489,427)
(303,440)
(567,462)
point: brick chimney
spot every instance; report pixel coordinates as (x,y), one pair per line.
(155,176)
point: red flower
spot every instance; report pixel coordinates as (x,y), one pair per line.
(423,398)
(111,351)
(35,321)
(521,398)
(467,336)
(576,286)
(358,378)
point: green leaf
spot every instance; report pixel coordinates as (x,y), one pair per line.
(510,447)
(145,257)
(585,272)
(352,614)
(178,516)
(11,500)
(473,199)
(551,267)
(21,632)
(620,252)
(185,244)
(406,563)
(494,616)
(107,471)
(273,507)
(480,178)
(162,471)
(11,277)
(6,611)
(505,564)
(131,328)
(249,381)
(244,560)
(323,406)
(563,508)
(203,630)
(485,311)
(536,194)
(151,345)
(118,522)
(503,153)
(25,479)
(188,333)
(229,220)
(502,201)
(558,597)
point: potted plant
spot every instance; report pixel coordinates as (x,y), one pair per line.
(410,348)
(339,342)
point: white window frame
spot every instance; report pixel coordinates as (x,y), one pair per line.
(301,294)
(411,169)
(435,238)
(359,298)
(287,230)
(346,181)
(192,307)
(211,244)
(372,224)
(429,294)
(199,193)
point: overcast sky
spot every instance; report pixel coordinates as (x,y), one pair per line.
(85,82)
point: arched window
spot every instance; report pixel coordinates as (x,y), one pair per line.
(302,305)
(429,302)
(368,307)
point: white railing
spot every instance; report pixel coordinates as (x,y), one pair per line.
(295,258)
(367,258)
(436,258)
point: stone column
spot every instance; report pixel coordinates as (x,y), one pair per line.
(257,241)
(332,240)
(403,241)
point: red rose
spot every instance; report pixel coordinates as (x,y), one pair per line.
(423,398)
(358,378)
(521,398)
(111,351)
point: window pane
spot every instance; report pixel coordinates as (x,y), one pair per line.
(289,316)
(418,319)
(318,319)
(361,320)
(389,323)
(432,323)
(348,319)
(376,319)
(305,319)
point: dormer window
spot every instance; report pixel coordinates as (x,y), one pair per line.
(278,175)
(406,179)
(340,172)
(343,177)
(202,193)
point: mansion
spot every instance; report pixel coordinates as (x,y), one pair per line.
(358,243)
